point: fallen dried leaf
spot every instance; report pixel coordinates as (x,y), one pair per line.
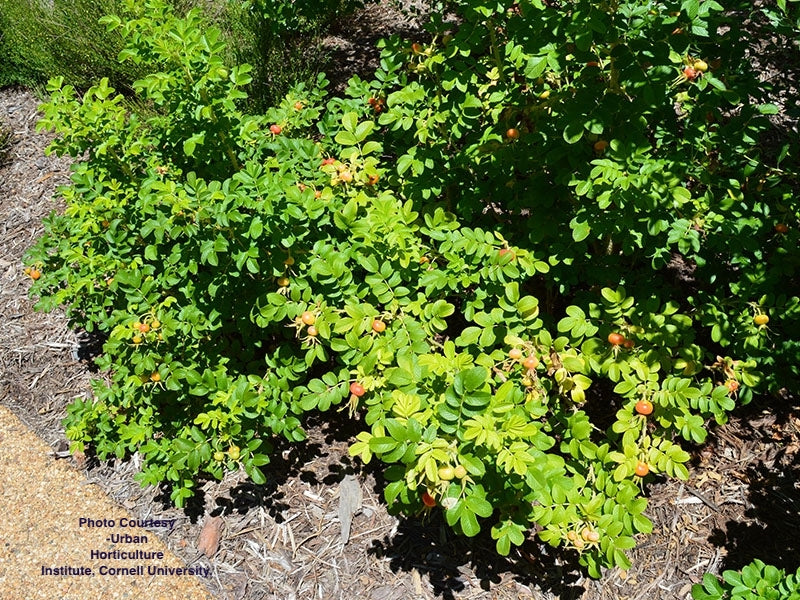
(417,581)
(208,540)
(349,504)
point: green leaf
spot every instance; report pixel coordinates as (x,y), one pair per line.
(512,292)
(535,67)
(371,147)
(194,141)
(345,138)
(528,307)
(712,585)
(691,7)
(642,524)
(110,21)
(573,132)
(772,575)
(718,84)
(257,475)
(732,578)
(479,506)
(382,445)
(469,523)
(503,545)
(393,490)
(396,429)
(681,194)
(621,560)
(473,379)
(580,229)
(363,130)
(350,121)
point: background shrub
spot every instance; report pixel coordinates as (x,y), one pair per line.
(42,39)
(575,130)
(280,39)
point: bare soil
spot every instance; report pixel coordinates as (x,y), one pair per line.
(283,540)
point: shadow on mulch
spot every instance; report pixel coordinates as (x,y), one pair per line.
(768,528)
(288,460)
(89,347)
(352,42)
(430,546)
(424,543)
(772,519)
(772,535)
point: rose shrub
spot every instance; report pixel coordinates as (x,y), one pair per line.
(498,307)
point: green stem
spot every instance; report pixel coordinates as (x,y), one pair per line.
(222,135)
(495,50)
(122,164)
